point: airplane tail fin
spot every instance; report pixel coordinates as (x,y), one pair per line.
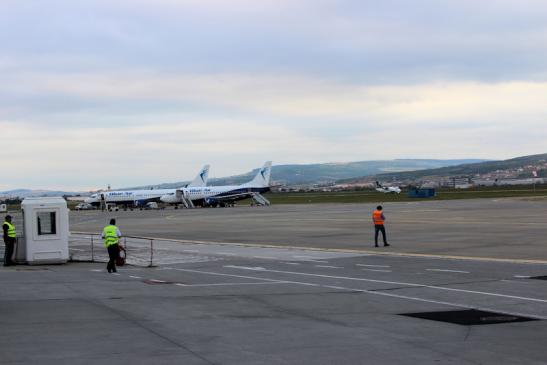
(378,184)
(263,177)
(201,179)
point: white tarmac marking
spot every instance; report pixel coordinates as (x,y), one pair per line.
(246,277)
(514,281)
(96,270)
(363,265)
(135,277)
(257,268)
(265,257)
(435,301)
(376,270)
(192,251)
(329,267)
(417,285)
(363,291)
(317,261)
(76,249)
(290,263)
(444,270)
(522,276)
(158,281)
(231,284)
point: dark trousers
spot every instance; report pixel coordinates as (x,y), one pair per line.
(113,252)
(377,229)
(8,253)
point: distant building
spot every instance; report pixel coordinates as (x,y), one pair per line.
(459,182)
(505,182)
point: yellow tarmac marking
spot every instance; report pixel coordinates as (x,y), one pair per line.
(352,251)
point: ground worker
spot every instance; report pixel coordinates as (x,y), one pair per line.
(111,236)
(9,240)
(378,218)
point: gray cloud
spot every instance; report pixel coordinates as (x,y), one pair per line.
(89,84)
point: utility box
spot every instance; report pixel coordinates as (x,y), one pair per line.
(45,231)
(421,193)
(3,208)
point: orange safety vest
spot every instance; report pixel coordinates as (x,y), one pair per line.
(377,218)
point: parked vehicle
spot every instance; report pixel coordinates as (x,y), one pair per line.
(84,206)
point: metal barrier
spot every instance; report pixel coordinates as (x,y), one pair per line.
(139,251)
(88,247)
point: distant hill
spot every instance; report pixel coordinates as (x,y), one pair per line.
(328,172)
(297,174)
(27,193)
(462,169)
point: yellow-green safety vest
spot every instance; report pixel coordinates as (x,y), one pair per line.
(110,235)
(11,230)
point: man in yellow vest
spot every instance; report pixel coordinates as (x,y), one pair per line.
(9,240)
(111,236)
(378,218)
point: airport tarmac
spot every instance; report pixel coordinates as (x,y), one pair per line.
(501,228)
(226,294)
(310,309)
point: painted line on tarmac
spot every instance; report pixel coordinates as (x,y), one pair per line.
(415,285)
(363,265)
(329,267)
(446,270)
(350,251)
(459,305)
(459,220)
(265,257)
(290,263)
(245,277)
(376,270)
(230,284)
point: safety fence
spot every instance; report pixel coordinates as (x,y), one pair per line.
(139,251)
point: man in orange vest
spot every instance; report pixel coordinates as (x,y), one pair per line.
(378,218)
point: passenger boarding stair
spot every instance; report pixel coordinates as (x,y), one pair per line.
(185,199)
(260,199)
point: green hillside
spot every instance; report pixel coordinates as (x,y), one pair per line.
(464,169)
(330,172)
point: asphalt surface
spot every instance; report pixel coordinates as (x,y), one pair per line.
(308,310)
(502,228)
(227,303)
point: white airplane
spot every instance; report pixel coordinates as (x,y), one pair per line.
(139,198)
(387,189)
(214,196)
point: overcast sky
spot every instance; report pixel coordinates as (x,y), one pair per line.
(132,92)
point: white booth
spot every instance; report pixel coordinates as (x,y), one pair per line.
(45,231)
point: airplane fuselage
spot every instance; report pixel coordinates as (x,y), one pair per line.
(129,197)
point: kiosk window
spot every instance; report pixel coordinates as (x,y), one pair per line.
(46,223)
